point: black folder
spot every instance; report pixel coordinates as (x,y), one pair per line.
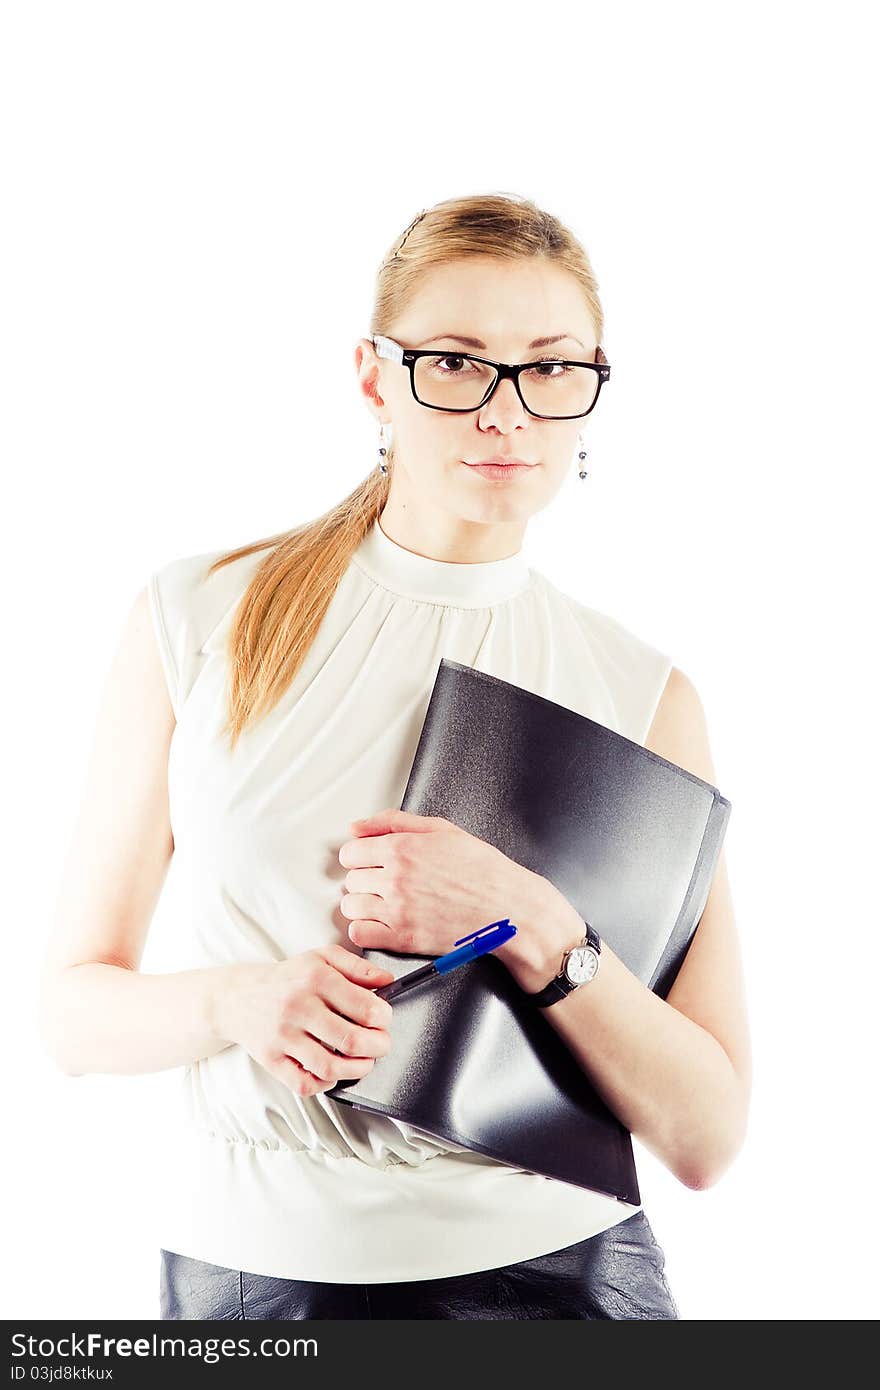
(631,840)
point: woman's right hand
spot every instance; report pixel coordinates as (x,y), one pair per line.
(290,1015)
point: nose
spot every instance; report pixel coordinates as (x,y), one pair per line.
(504,408)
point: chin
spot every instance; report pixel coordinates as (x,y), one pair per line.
(493,510)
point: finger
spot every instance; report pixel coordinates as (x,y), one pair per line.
(357,1005)
(294,1075)
(370,906)
(391,819)
(312,1056)
(340,1035)
(378,936)
(304,1082)
(370,852)
(366,880)
(368,973)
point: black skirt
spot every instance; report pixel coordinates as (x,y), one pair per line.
(615,1274)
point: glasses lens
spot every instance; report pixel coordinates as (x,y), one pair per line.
(452,381)
(558,388)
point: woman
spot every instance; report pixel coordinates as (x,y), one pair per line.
(295,674)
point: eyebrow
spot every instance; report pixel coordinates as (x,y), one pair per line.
(475,342)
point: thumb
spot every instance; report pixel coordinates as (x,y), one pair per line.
(390,819)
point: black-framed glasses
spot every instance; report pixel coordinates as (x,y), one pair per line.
(552,388)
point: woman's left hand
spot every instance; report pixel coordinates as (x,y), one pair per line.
(417,884)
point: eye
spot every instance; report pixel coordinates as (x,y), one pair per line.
(434,363)
(550,362)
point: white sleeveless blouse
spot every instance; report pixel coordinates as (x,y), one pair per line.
(260,1179)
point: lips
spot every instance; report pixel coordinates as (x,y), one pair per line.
(501,461)
(505,472)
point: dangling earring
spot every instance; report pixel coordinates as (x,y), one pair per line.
(582,455)
(384,440)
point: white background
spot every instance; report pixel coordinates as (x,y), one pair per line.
(197,197)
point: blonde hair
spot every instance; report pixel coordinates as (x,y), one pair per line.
(285,602)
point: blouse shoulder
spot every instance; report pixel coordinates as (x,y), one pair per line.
(635,671)
(188,603)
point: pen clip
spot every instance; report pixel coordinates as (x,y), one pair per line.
(502,922)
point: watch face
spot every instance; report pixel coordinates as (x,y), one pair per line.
(582,965)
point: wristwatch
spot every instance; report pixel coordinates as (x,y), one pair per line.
(579,966)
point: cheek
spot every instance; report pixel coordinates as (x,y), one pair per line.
(558,465)
(422,437)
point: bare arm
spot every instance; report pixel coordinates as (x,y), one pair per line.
(312,1019)
(97,1012)
(111,1018)
(677,1072)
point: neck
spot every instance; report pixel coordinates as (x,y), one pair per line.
(452,539)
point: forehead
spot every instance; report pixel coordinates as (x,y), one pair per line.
(504,303)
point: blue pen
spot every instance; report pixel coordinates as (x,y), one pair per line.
(485,939)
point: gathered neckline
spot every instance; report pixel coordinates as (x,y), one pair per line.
(404,572)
